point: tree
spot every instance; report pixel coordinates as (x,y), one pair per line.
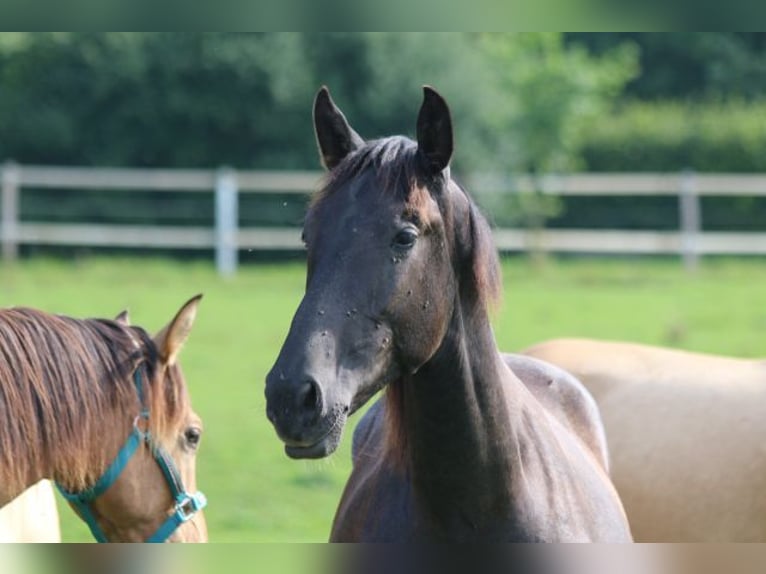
(556,92)
(156,99)
(690,65)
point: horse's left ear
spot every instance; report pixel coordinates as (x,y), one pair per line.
(434,131)
(171,339)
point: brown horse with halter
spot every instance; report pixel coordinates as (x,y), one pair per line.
(102,408)
(467,444)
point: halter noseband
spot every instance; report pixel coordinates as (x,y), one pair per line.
(186,505)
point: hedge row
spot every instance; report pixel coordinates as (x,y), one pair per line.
(673,136)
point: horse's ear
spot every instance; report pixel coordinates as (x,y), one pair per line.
(171,339)
(335,137)
(123,318)
(434,131)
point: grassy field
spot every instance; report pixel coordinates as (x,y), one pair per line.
(258,495)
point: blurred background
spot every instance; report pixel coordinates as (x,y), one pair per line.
(625,175)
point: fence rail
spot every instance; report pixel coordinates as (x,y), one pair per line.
(226,238)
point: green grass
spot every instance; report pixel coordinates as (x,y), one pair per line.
(256,493)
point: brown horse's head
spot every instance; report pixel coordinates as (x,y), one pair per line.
(141,498)
(389,238)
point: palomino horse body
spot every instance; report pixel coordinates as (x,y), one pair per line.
(102,409)
(686,434)
(401,269)
(32,516)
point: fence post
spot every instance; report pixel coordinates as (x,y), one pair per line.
(10,212)
(226,221)
(690,213)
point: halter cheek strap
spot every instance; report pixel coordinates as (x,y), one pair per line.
(186,505)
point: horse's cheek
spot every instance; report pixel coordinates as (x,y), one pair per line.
(419,332)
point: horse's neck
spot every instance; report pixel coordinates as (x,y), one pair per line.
(460,414)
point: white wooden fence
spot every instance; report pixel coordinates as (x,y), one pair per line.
(227,238)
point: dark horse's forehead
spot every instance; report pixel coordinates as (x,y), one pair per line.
(382,171)
(393,161)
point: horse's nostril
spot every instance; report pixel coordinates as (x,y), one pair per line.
(311,396)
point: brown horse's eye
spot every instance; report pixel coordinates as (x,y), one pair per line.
(192,436)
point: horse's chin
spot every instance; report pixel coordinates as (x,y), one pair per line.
(323,447)
(319,450)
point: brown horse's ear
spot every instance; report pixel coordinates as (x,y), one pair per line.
(171,339)
(335,137)
(123,318)
(434,131)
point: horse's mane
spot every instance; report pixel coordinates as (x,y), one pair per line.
(66,386)
(398,170)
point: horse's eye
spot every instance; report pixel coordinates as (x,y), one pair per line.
(192,436)
(406,238)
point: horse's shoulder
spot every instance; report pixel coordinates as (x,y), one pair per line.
(564,397)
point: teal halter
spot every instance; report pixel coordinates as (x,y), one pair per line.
(186,504)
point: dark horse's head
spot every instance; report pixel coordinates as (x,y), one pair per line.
(390,240)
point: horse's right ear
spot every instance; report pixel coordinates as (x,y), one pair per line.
(335,138)
(123,318)
(171,338)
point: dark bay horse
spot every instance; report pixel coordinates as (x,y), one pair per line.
(102,408)
(466,444)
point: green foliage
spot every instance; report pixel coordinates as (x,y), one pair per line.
(256,493)
(523,102)
(674,136)
(178,99)
(690,65)
(155,99)
(191,99)
(555,93)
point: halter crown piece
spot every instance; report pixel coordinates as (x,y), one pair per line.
(186,504)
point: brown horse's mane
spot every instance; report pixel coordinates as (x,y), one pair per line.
(66,386)
(398,170)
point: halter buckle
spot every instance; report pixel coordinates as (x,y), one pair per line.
(144,416)
(189,505)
